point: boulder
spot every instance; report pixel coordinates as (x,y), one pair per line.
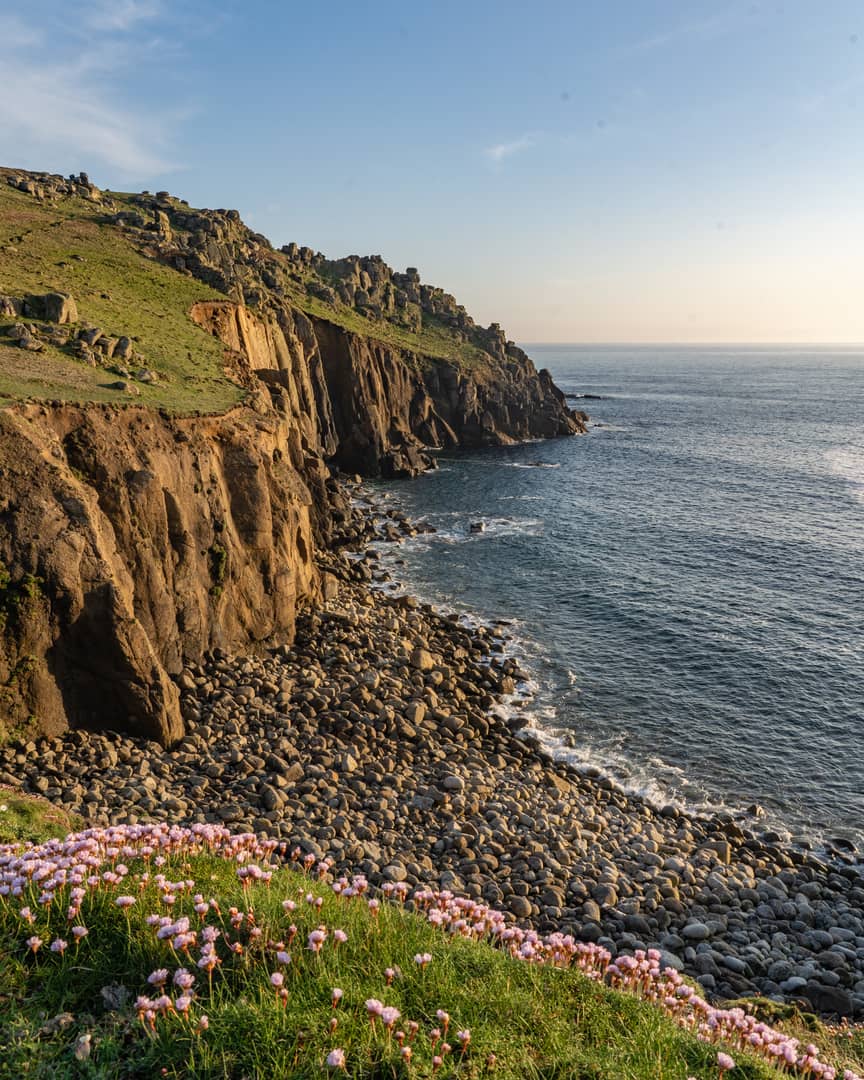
(11,306)
(53,307)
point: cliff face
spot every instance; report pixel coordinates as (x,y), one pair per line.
(132,540)
(136,542)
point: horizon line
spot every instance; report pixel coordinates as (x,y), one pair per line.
(700,344)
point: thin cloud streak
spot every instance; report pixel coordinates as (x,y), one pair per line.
(707,29)
(500,151)
(119,16)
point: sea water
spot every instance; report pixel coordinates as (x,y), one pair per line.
(685,583)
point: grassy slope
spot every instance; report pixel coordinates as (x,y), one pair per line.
(116,289)
(434,342)
(30,818)
(125,293)
(539,1022)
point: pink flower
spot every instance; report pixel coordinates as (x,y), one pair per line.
(374,1008)
(182,1003)
(283,957)
(340,937)
(405,1054)
(336,1059)
(124,902)
(276,979)
(58,945)
(79,932)
(158,977)
(389,1016)
(422,959)
(464,1037)
(183,979)
(336,996)
(725,1062)
(203,1023)
(316,939)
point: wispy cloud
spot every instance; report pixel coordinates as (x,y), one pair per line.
(690,30)
(500,151)
(64,110)
(118,16)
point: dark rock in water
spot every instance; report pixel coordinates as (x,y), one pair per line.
(477,527)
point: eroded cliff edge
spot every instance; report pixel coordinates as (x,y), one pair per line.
(133,539)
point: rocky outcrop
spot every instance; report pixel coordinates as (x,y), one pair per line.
(131,542)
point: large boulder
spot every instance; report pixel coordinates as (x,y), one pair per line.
(52,307)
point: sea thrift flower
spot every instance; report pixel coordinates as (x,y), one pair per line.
(464,1037)
(158,977)
(276,979)
(182,1003)
(340,937)
(183,979)
(79,932)
(422,959)
(336,996)
(389,1016)
(336,1059)
(405,1054)
(316,940)
(443,1018)
(374,1008)
(389,975)
(283,957)
(58,945)
(725,1062)
(203,1023)
(124,902)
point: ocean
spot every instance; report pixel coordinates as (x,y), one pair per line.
(685,584)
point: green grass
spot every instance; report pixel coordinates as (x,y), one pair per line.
(28,818)
(540,1023)
(116,289)
(433,342)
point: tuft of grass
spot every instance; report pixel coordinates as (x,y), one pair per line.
(31,819)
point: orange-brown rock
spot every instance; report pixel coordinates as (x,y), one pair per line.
(141,542)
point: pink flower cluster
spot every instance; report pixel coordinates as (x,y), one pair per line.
(639,974)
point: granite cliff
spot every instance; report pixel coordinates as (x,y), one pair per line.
(173,394)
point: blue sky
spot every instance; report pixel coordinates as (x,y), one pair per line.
(628,170)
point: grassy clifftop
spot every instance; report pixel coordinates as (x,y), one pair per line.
(65,246)
(135,264)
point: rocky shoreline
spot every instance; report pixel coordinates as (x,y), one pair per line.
(374,739)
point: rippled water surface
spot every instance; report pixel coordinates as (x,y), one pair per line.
(687,581)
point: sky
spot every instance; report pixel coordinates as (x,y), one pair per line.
(609,171)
